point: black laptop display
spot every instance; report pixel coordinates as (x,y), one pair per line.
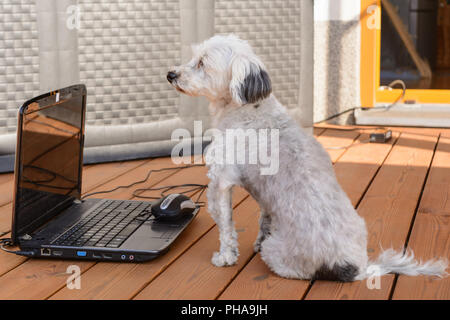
(49,158)
(49,218)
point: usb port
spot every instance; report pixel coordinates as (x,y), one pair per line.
(107,255)
(57,253)
(81,253)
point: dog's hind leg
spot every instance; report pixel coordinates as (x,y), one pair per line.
(220,208)
(280,260)
(264,229)
(290,263)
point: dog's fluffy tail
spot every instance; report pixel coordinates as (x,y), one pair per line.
(391,261)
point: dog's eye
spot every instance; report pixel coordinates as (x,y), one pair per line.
(200,64)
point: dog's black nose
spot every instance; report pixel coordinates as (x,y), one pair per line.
(171,76)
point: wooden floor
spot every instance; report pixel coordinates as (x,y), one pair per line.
(401,188)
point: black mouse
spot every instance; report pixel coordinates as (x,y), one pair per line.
(173,207)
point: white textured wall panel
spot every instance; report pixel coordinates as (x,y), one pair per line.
(272,27)
(19,59)
(125,50)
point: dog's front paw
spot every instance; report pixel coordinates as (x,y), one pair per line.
(223,259)
(257,246)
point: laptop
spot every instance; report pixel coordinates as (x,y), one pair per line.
(50,220)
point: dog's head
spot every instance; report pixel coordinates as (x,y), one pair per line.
(223,68)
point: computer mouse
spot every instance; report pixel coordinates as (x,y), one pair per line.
(173,207)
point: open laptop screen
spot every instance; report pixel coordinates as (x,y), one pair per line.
(48,157)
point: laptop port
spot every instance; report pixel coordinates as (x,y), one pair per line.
(81,253)
(96,255)
(107,256)
(46,252)
(57,253)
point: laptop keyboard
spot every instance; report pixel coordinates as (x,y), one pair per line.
(109,225)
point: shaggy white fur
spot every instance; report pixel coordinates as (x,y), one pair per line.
(308,226)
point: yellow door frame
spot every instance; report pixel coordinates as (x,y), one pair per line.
(370,65)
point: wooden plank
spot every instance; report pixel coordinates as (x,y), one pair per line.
(49,275)
(436,195)
(337,139)
(9,261)
(429,240)
(193,276)
(37,278)
(100,174)
(6,189)
(257,282)
(326,125)
(359,164)
(354,171)
(5,177)
(368,129)
(421,64)
(318,131)
(419,131)
(5,218)
(430,234)
(123,281)
(388,208)
(323,290)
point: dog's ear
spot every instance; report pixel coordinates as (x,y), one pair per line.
(249,82)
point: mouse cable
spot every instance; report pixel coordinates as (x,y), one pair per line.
(194,187)
(166,188)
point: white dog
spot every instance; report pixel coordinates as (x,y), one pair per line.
(308,226)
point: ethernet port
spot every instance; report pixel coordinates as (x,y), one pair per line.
(46,252)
